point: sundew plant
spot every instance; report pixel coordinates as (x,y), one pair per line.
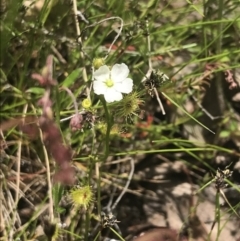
(108,108)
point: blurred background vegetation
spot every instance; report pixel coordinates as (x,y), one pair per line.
(195,43)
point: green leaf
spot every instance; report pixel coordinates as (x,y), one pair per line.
(71,78)
(46,9)
(200,11)
(61,210)
(36,90)
(224,134)
(12,88)
(57,192)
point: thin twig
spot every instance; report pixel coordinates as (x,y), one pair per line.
(159,101)
(60,57)
(149,46)
(19,152)
(113,192)
(98,175)
(75,10)
(116,161)
(118,34)
(127,184)
(150,69)
(202,108)
(51,213)
(48,170)
(79,13)
(79,39)
(226,200)
(138,194)
(70,117)
(147,75)
(73,98)
(3,222)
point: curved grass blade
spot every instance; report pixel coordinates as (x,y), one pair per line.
(170,99)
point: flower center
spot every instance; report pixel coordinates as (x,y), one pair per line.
(109,83)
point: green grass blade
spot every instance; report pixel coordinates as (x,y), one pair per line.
(170,99)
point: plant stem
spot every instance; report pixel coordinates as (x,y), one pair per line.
(106,153)
(97,236)
(219,85)
(217,214)
(118,235)
(109,125)
(18,164)
(79,39)
(127,184)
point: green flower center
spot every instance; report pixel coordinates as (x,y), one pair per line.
(109,83)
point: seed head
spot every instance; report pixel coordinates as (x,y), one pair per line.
(156,80)
(130,105)
(98,62)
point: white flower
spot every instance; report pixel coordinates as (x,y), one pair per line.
(112,83)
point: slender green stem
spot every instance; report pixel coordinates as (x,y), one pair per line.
(204,186)
(106,151)
(198,143)
(204,30)
(217,214)
(45,12)
(170,99)
(98,188)
(87,224)
(220,27)
(109,125)
(226,200)
(219,84)
(119,236)
(97,236)
(72,234)
(205,149)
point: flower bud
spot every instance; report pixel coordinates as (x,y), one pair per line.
(86,103)
(98,62)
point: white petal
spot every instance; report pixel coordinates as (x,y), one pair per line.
(111,95)
(125,86)
(119,72)
(118,96)
(99,87)
(102,74)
